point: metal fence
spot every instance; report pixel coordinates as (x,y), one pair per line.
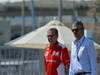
(19,61)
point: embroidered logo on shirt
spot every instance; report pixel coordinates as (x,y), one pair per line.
(55,53)
(46,53)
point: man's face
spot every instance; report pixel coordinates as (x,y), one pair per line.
(78,31)
(52,37)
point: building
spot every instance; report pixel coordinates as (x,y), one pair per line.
(44,12)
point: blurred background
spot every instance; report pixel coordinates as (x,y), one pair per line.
(19,17)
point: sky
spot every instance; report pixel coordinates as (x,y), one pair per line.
(2,1)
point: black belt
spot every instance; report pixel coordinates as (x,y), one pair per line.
(82,73)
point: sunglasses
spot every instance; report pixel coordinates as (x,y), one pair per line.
(77,30)
(50,35)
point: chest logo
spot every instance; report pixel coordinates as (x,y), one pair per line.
(55,53)
(46,53)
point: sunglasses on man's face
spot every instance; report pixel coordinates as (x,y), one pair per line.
(50,35)
(77,30)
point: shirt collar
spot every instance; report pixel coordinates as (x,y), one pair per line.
(53,45)
(79,41)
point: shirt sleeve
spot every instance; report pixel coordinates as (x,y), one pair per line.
(65,57)
(92,57)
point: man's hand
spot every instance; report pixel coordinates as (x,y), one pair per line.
(66,70)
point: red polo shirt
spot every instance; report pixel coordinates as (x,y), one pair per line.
(56,57)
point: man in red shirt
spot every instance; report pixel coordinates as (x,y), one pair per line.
(56,55)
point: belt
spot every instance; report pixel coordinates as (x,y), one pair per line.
(82,73)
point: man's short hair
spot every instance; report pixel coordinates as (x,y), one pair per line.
(79,23)
(55,30)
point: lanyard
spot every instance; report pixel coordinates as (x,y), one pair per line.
(78,45)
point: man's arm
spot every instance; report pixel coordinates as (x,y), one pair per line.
(66,59)
(92,57)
